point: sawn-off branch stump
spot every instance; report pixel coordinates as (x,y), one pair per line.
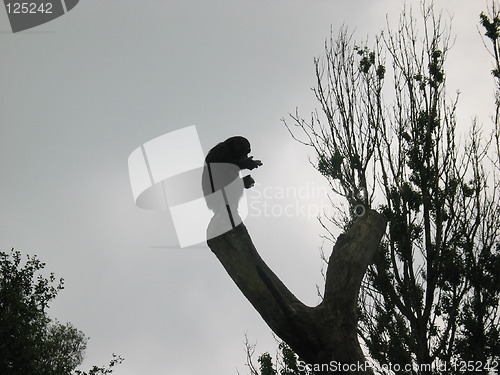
(321,334)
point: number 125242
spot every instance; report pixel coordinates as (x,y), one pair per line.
(29,8)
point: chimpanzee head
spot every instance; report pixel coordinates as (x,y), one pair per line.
(240,146)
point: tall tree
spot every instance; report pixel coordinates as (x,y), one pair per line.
(431,296)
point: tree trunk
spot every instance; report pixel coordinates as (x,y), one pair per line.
(324,336)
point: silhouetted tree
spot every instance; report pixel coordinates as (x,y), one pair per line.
(31,342)
(431,296)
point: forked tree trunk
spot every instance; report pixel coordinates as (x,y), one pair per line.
(324,336)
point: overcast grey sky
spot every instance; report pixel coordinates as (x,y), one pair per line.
(80,93)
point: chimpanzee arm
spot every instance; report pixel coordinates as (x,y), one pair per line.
(248,163)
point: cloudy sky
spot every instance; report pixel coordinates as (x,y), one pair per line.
(80,93)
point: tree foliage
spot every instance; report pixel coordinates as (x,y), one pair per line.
(286,362)
(387,137)
(30,341)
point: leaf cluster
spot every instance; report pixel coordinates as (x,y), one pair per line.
(285,363)
(30,341)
